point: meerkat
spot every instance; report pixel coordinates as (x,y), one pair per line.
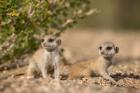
(48,55)
(107,51)
(65,56)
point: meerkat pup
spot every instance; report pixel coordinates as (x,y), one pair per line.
(107,51)
(47,55)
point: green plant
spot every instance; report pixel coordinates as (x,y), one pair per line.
(21,20)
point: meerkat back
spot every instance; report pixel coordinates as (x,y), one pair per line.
(80,69)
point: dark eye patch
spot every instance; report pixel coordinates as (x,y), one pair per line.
(100,47)
(42,40)
(108,48)
(50,40)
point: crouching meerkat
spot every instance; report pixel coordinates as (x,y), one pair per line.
(48,55)
(107,51)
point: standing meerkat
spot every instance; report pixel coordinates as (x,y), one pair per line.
(107,50)
(48,55)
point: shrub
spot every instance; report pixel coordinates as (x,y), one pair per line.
(22,20)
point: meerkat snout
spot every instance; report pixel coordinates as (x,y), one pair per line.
(108,49)
(51,42)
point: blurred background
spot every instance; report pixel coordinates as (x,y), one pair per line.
(21,21)
(113,20)
(116,20)
(115,14)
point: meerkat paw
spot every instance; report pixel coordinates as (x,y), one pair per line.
(86,80)
(30,77)
(112,81)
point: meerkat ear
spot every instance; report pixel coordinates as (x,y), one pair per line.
(59,42)
(117,49)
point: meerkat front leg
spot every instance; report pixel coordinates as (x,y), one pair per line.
(43,70)
(56,68)
(56,71)
(106,76)
(31,69)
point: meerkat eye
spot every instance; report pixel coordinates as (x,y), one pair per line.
(42,40)
(62,50)
(100,48)
(108,48)
(50,40)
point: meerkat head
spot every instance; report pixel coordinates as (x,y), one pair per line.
(108,49)
(51,42)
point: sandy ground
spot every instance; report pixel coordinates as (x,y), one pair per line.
(83,45)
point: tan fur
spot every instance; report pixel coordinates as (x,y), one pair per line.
(38,57)
(65,62)
(93,67)
(48,55)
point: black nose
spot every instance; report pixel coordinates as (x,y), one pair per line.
(50,40)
